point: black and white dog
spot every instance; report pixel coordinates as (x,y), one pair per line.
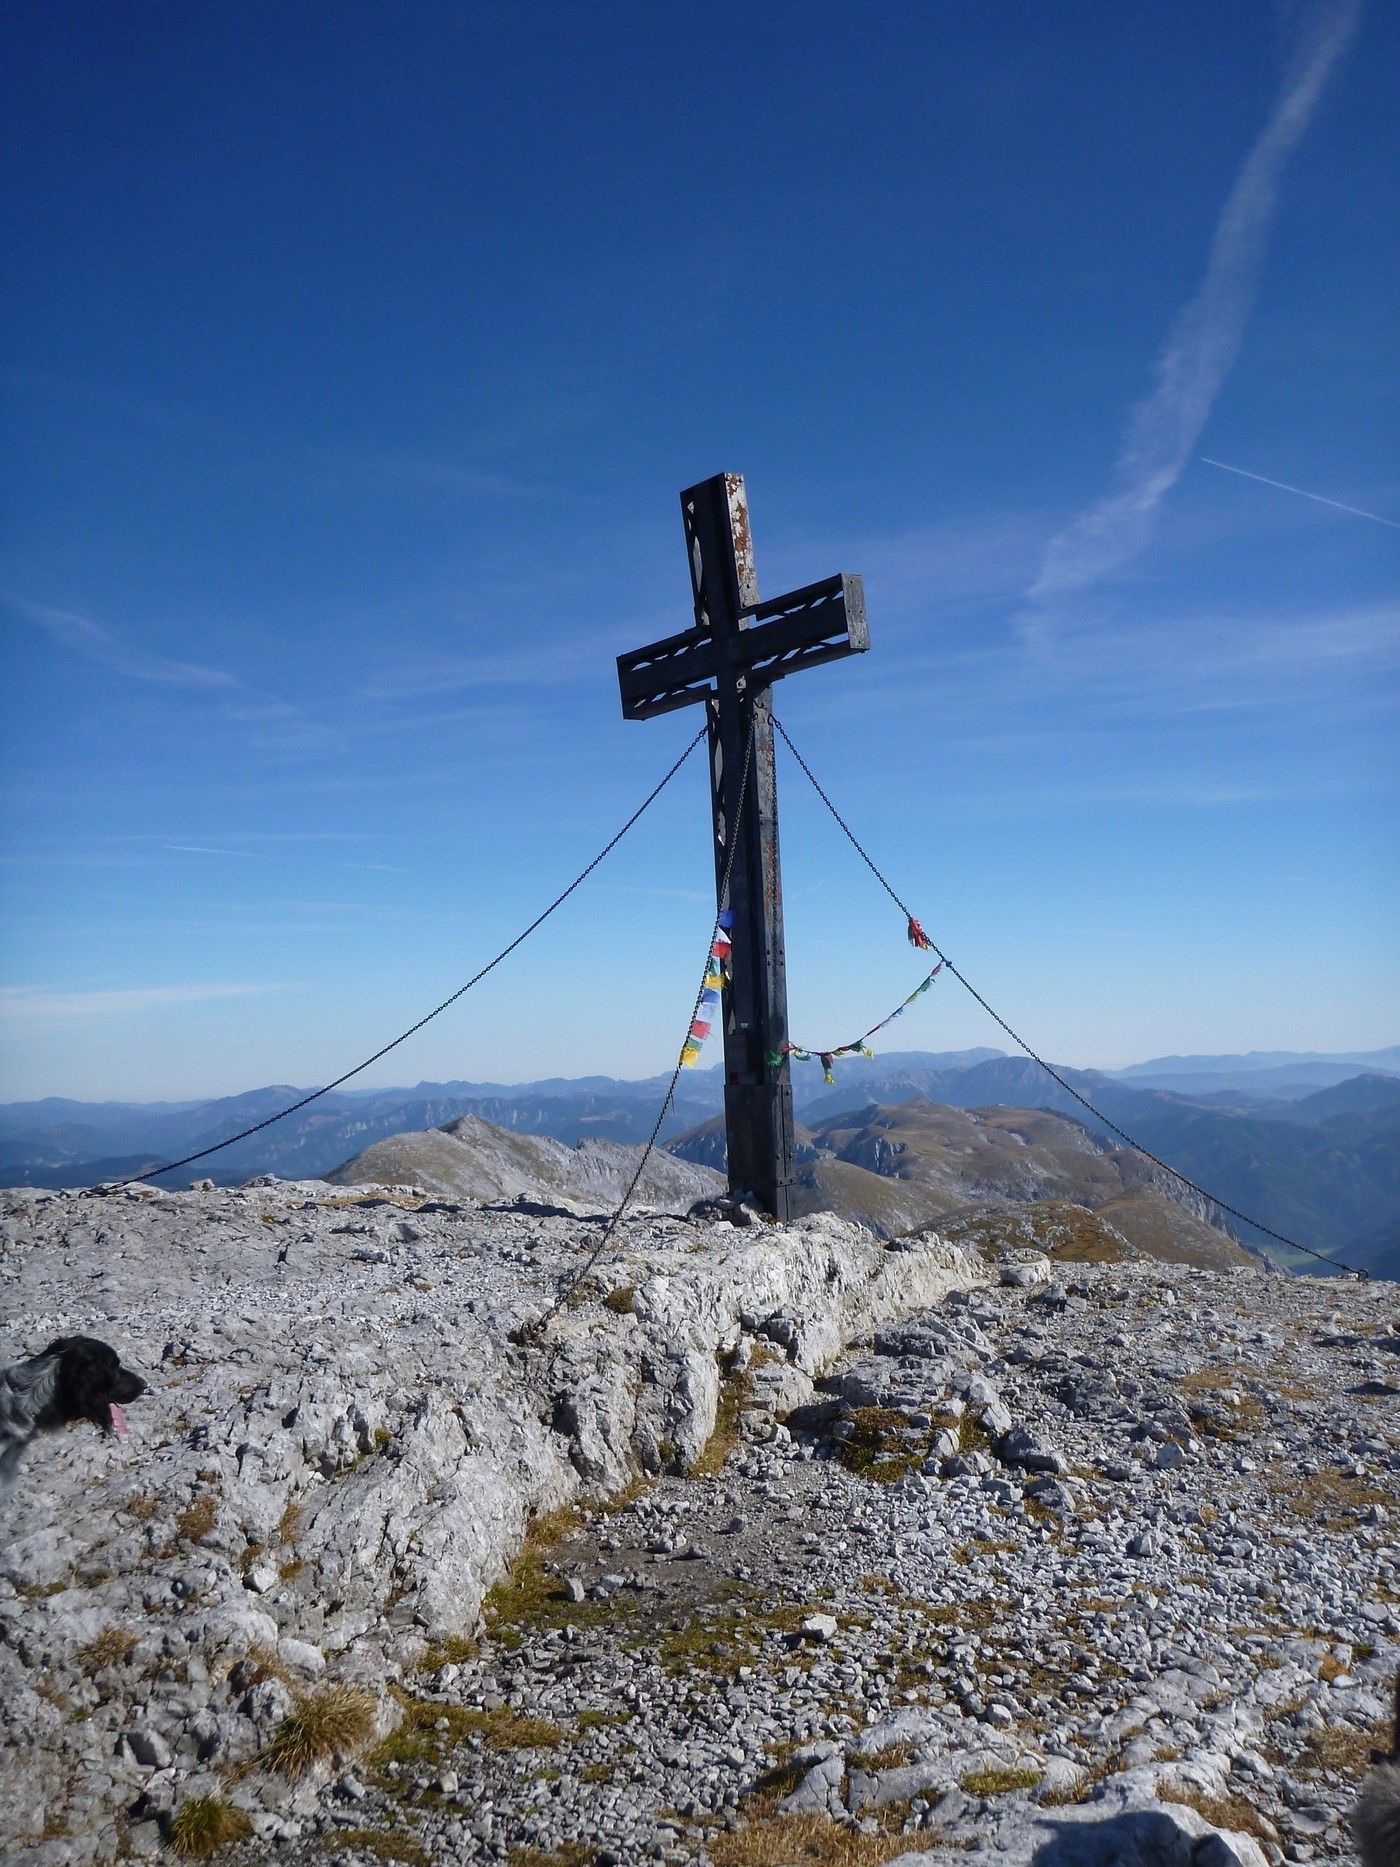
(75,1378)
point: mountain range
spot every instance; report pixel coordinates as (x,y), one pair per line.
(899,1169)
(1323,1168)
(472,1159)
(1308,1143)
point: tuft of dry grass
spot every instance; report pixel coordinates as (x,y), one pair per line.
(977,1614)
(455,1650)
(1066,1233)
(999,1782)
(892,1757)
(1333,1498)
(883,1447)
(804,1841)
(1218,1418)
(420,1741)
(112,1647)
(334,1722)
(1341,1750)
(531,1597)
(619,1301)
(383,1842)
(142,1508)
(733,1392)
(265,1664)
(513,1730)
(195,1522)
(1230,1812)
(718,1643)
(204,1824)
(973,1437)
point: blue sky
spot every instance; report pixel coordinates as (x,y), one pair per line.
(351,361)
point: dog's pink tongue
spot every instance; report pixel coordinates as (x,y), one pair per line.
(118,1418)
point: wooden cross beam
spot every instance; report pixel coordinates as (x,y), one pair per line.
(729,661)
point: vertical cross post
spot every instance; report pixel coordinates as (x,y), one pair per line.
(758,1115)
(729,661)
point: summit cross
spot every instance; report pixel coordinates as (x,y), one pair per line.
(728,661)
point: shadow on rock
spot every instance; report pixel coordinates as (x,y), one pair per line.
(1143,1838)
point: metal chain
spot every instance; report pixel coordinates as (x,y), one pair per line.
(1221,1205)
(616,1219)
(187,1160)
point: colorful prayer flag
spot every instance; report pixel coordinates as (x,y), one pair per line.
(861,1046)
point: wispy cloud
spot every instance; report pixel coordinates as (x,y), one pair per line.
(31,1004)
(90,639)
(1205,340)
(1214,662)
(1344,658)
(274,724)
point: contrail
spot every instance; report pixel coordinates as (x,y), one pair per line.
(1301,491)
(1205,340)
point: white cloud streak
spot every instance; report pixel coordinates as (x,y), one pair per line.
(273,724)
(1200,352)
(1302,492)
(30,1004)
(89,639)
(1346,659)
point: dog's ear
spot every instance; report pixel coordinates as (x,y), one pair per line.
(86,1371)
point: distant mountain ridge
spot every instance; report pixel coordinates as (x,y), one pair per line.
(1319,1162)
(61,1142)
(1255,1060)
(1280,1073)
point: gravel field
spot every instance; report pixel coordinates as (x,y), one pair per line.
(979,1553)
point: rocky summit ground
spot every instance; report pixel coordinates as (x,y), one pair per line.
(782,1547)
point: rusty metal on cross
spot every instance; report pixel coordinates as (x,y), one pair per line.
(729,661)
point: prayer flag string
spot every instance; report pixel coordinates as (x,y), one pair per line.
(716,972)
(860,1048)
